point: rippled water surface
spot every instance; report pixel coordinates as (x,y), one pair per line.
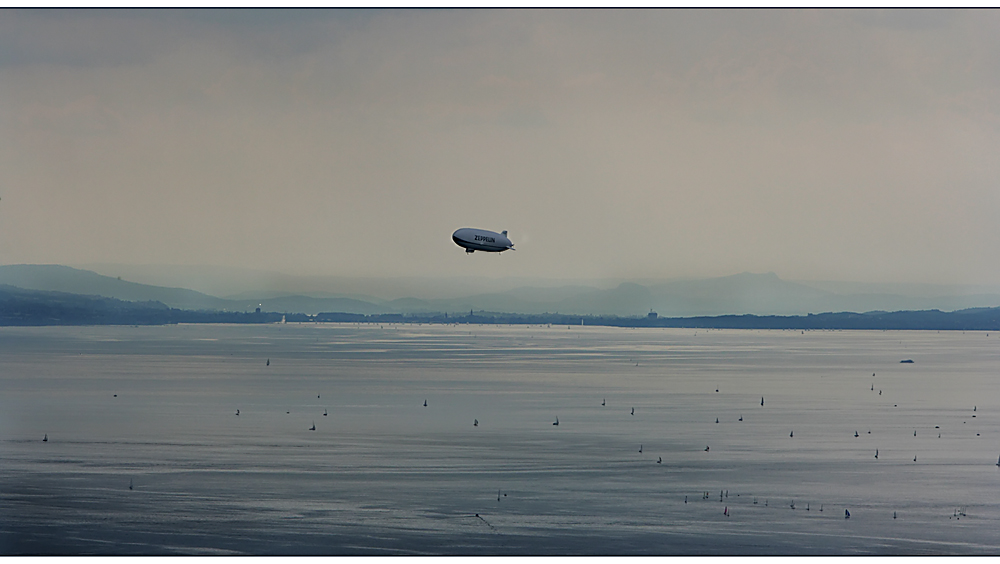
(384,474)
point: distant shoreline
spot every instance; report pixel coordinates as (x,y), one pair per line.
(980,319)
(966,320)
(19,307)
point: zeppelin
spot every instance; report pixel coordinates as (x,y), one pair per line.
(473,240)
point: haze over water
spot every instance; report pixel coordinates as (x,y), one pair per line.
(383,474)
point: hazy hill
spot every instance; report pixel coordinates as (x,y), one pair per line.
(249,284)
(20,307)
(746,293)
(763,294)
(56,278)
(312,306)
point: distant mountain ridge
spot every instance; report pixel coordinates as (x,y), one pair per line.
(745,293)
(20,307)
(739,294)
(57,278)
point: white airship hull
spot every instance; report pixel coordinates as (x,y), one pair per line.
(481,240)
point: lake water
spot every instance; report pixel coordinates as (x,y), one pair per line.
(384,474)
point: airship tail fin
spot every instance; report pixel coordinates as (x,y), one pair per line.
(504,233)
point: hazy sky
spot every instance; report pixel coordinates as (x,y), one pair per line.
(830,145)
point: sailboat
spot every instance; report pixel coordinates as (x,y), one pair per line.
(313,428)
(475,423)
(659,460)
(998,461)
(847,514)
(46,438)
(324,412)
(557,421)
(603,401)
(130,483)
(425,403)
